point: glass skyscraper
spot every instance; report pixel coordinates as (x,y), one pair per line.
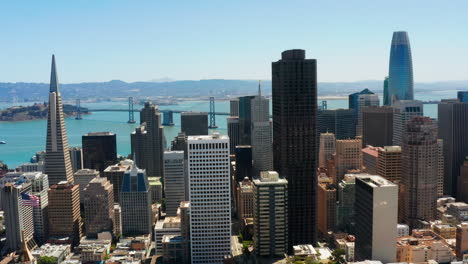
(400,76)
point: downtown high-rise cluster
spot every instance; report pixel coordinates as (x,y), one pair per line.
(378,182)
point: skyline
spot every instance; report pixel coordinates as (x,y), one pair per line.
(129,42)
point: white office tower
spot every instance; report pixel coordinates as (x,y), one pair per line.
(261,141)
(39,187)
(210,197)
(376,209)
(403,111)
(174,180)
(327,148)
(365,100)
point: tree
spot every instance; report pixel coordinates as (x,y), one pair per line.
(47,260)
(337,255)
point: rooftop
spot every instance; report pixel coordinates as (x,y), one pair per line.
(208,137)
(93,134)
(375,181)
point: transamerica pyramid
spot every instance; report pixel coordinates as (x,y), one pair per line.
(57,160)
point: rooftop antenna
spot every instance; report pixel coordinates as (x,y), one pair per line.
(259,88)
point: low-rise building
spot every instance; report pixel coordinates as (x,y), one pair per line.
(402,230)
(168,226)
(446,231)
(93,250)
(422,246)
(60,252)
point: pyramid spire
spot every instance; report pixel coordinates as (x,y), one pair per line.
(259,88)
(53,77)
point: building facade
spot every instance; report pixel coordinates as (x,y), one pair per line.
(76,158)
(420,160)
(270,214)
(115,175)
(98,206)
(403,111)
(99,150)
(194,123)
(348,157)
(376,208)
(295,140)
(327,148)
(377,126)
(341,122)
(326,204)
(210,198)
(174,180)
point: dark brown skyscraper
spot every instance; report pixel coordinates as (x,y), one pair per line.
(99,150)
(377,126)
(453,130)
(57,159)
(148,141)
(295,141)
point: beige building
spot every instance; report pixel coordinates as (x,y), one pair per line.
(446,231)
(99,206)
(422,246)
(389,163)
(83,177)
(462,240)
(115,174)
(326,208)
(64,211)
(348,157)
(370,157)
(327,148)
(245,198)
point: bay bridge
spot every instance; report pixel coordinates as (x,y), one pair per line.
(168,113)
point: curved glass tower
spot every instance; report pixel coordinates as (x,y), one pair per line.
(400,76)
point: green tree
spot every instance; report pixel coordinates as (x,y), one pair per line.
(338,255)
(47,260)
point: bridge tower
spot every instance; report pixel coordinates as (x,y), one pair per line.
(78,110)
(324,105)
(212,114)
(131,116)
(168,119)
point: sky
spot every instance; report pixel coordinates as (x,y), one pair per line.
(208,39)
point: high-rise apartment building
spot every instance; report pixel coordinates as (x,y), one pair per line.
(76,158)
(463,182)
(135,203)
(389,163)
(194,123)
(327,148)
(174,180)
(341,122)
(115,175)
(420,161)
(377,126)
(453,127)
(148,141)
(57,159)
(233,133)
(245,198)
(270,214)
(376,208)
(295,140)
(98,206)
(326,205)
(64,211)
(18,218)
(400,70)
(403,111)
(348,157)
(99,150)
(209,195)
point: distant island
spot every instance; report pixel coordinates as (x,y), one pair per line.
(35,112)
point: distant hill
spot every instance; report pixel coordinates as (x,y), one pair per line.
(215,87)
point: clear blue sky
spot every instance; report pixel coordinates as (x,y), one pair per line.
(144,40)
